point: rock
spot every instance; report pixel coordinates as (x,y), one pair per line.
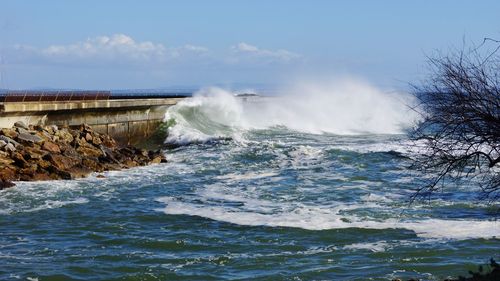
(9,140)
(108,154)
(33,153)
(9,147)
(129,163)
(21,124)
(44,164)
(4,161)
(19,159)
(22,131)
(96,141)
(89,151)
(88,137)
(44,135)
(61,162)
(64,135)
(51,147)
(156,160)
(81,142)
(6,184)
(100,176)
(11,133)
(52,153)
(8,173)
(108,141)
(86,128)
(92,164)
(29,138)
(79,172)
(29,171)
(41,176)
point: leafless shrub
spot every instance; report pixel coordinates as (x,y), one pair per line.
(460,127)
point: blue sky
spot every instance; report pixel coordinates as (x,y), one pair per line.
(153,44)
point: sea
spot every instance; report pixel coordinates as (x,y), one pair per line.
(314,184)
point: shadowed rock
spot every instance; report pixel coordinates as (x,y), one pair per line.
(45,153)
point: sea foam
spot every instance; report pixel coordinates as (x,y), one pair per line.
(342,107)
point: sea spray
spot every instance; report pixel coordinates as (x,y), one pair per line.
(343,107)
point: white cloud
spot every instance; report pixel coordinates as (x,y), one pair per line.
(124,52)
(280,54)
(117,46)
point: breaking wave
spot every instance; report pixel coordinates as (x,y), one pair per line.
(340,108)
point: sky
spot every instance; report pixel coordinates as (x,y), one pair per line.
(255,43)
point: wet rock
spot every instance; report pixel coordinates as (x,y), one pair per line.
(2,143)
(156,160)
(93,164)
(21,124)
(6,184)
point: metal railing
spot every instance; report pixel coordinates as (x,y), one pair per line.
(53,96)
(62,96)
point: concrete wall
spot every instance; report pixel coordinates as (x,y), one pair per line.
(128,121)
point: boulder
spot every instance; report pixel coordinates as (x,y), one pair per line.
(88,137)
(156,160)
(51,147)
(61,162)
(21,124)
(19,159)
(96,140)
(9,147)
(4,161)
(11,133)
(6,184)
(9,173)
(40,176)
(9,140)
(29,138)
(79,172)
(43,164)
(33,153)
(87,151)
(93,164)
(64,135)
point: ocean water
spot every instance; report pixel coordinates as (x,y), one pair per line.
(287,188)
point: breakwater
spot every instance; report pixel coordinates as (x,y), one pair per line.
(126,117)
(32,153)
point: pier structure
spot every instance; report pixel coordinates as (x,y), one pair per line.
(127,117)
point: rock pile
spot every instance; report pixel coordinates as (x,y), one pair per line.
(33,153)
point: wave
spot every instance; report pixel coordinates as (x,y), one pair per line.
(343,108)
(257,212)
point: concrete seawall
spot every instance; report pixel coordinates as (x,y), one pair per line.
(129,121)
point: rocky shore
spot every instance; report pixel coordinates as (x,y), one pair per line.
(35,153)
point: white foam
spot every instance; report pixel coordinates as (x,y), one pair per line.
(257,212)
(380,246)
(342,107)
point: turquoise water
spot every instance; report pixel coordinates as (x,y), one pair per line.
(269,204)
